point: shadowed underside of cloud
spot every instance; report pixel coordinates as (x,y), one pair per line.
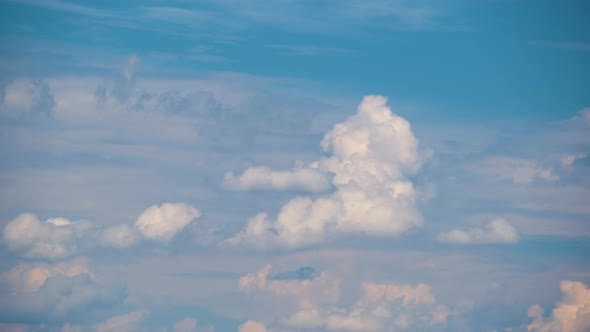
(373,153)
(496,231)
(571,314)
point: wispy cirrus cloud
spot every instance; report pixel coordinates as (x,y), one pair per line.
(573,46)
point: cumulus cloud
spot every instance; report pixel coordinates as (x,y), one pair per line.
(571,314)
(496,231)
(264,178)
(163,222)
(58,238)
(29,277)
(373,153)
(517,170)
(252,326)
(316,303)
(380,306)
(52,238)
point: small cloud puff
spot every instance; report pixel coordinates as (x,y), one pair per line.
(163,222)
(307,179)
(571,314)
(252,326)
(496,231)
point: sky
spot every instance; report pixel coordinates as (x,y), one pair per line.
(294,165)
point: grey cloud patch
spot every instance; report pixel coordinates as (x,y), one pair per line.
(58,298)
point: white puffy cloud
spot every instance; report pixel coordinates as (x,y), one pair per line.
(252,326)
(29,277)
(123,323)
(53,238)
(264,178)
(571,314)
(58,238)
(517,170)
(373,152)
(163,222)
(496,231)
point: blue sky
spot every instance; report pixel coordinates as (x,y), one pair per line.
(176,165)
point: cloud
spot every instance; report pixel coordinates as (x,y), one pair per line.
(23,98)
(264,178)
(58,238)
(306,292)
(380,306)
(496,231)
(120,236)
(571,314)
(517,170)
(163,222)
(186,325)
(29,277)
(252,326)
(60,296)
(123,323)
(373,153)
(568,160)
(53,238)
(315,303)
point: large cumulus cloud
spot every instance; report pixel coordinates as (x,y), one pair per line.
(373,153)
(571,314)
